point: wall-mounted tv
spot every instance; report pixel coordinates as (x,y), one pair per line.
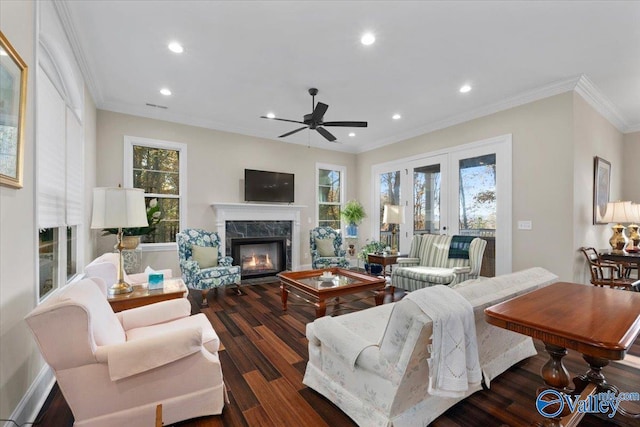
(264,186)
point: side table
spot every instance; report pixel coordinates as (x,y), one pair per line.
(141,295)
(384,261)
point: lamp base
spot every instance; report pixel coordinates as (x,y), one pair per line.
(617,240)
(120,288)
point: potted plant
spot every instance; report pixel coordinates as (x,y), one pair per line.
(353,213)
(371,247)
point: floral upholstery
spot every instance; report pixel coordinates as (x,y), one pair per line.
(206,278)
(387,383)
(429,263)
(338,260)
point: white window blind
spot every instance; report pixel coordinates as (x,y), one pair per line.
(51,152)
(74,170)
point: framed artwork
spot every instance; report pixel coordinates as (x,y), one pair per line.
(601,188)
(13,100)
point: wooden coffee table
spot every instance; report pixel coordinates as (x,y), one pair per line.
(600,323)
(141,295)
(308,286)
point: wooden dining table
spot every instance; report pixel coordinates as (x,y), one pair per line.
(600,323)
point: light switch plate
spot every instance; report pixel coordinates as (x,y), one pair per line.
(525,225)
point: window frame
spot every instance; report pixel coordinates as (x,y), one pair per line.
(343,185)
(129,143)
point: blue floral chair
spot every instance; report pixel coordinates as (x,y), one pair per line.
(329,254)
(204,279)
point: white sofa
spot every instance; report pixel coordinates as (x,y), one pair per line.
(387,385)
(106,268)
(114,369)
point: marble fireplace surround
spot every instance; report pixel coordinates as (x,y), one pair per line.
(260,212)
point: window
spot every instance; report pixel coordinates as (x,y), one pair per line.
(60,180)
(389,195)
(330,194)
(159,168)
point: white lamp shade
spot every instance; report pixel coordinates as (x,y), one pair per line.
(617,212)
(634,217)
(393,214)
(115,207)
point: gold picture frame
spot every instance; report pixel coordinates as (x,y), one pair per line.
(13,104)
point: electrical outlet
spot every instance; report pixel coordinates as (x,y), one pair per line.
(525,225)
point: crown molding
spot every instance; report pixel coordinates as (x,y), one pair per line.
(594,97)
(188,120)
(64,14)
(546,91)
(633,128)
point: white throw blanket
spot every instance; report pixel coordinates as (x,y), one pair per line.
(344,343)
(454,362)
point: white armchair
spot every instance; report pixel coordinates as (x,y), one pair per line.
(106,268)
(114,369)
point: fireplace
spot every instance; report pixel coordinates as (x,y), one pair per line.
(259,256)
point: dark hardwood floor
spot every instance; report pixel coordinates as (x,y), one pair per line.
(264,358)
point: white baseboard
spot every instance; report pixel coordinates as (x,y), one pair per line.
(32,401)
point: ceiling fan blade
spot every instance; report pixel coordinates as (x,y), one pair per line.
(292,132)
(318,112)
(282,120)
(322,131)
(346,124)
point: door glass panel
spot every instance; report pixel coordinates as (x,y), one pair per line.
(478,209)
(426,199)
(389,195)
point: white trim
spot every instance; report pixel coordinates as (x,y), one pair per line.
(29,406)
(343,186)
(129,142)
(260,212)
(600,103)
(64,14)
(503,147)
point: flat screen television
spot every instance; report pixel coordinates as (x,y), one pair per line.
(264,186)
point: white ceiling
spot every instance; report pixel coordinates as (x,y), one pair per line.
(243,59)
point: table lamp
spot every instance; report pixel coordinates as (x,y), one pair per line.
(632,229)
(393,215)
(116,207)
(617,213)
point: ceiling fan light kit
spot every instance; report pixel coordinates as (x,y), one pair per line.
(314,120)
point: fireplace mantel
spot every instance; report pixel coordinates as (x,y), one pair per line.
(260,212)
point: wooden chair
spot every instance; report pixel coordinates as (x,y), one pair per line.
(609,273)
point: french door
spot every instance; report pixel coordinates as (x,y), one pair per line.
(466,190)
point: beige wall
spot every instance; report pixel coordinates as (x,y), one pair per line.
(216,163)
(542,174)
(593,136)
(20,358)
(631,167)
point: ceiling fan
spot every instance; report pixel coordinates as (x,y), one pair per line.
(314,119)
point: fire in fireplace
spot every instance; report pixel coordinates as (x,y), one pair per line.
(259,256)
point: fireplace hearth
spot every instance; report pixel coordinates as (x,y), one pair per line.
(259,256)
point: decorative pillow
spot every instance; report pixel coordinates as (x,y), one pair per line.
(205,256)
(325,247)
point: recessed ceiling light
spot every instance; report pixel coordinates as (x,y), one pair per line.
(271,115)
(367,39)
(465,89)
(165,91)
(3,53)
(175,47)
(352,134)
(396,116)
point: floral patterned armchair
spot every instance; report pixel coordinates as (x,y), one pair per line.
(195,277)
(325,255)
